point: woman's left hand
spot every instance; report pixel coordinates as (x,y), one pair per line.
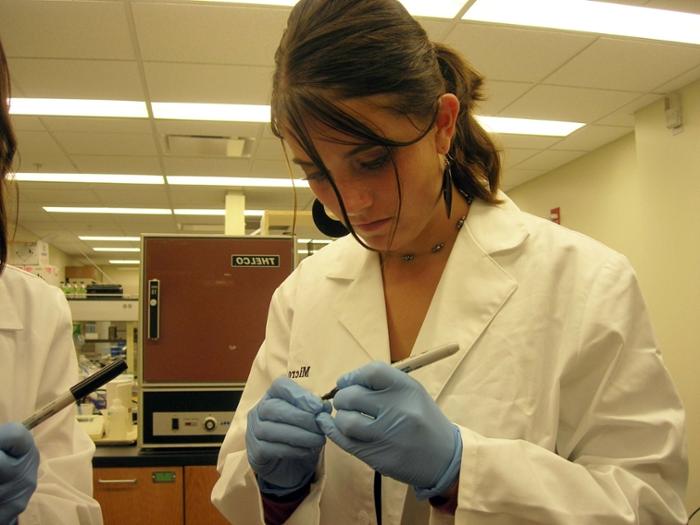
(388,420)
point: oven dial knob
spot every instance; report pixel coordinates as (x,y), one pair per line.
(209,423)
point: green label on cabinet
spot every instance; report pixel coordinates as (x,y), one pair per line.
(164,476)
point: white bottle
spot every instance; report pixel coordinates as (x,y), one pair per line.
(117,417)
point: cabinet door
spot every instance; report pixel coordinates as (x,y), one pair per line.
(199,481)
(139,495)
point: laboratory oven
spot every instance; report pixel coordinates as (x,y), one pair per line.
(204,304)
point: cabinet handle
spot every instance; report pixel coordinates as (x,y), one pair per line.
(153,309)
(117,481)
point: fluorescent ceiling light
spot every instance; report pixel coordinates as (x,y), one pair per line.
(590,16)
(314,241)
(525,126)
(215,213)
(107,238)
(116,211)
(131,250)
(124,261)
(436,8)
(88,178)
(242,182)
(288,3)
(197,111)
(68,107)
(208,213)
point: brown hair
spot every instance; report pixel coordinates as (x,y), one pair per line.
(341,49)
(8,147)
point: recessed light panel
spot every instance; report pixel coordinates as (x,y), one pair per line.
(526,126)
(591,17)
(68,107)
(88,178)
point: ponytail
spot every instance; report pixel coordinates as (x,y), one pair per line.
(476,166)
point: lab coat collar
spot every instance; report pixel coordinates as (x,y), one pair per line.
(9,317)
(473,288)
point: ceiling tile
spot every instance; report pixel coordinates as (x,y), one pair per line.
(515,177)
(592,137)
(208,83)
(90,79)
(687,6)
(624,116)
(197,197)
(65,29)
(549,160)
(269,149)
(130,144)
(506,53)
(500,94)
(56,194)
(22,123)
(512,157)
(206,167)
(141,196)
(273,168)
(276,198)
(626,65)
(215,129)
(680,81)
(209,34)
(117,164)
(437,29)
(568,103)
(38,147)
(97,125)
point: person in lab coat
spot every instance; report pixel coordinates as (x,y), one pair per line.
(556,410)
(45,474)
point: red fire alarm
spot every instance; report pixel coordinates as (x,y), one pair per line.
(555,215)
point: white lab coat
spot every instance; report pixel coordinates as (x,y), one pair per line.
(39,364)
(566,411)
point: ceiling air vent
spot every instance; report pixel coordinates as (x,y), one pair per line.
(209,146)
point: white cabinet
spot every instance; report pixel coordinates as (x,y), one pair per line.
(104,310)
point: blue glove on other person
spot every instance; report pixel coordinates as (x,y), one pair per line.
(283,440)
(388,420)
(19,462)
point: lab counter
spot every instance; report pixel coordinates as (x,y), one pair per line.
(134,456)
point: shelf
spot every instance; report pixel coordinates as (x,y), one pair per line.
(104,310)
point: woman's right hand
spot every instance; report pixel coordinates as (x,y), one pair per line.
(283,440)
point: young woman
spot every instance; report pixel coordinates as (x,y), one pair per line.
(557,409)
(45,475)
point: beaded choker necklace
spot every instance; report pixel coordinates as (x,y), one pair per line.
(409,257)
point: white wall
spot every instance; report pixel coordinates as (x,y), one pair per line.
(641,196)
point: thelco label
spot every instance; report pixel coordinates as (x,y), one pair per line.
(256,261)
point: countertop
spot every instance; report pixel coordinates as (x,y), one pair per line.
(133,456)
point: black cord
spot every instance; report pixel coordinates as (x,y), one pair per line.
(693,514)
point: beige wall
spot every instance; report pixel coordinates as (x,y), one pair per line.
(641,196)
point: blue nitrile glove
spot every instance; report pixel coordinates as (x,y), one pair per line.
(388,420)
(19,461)
(283,440)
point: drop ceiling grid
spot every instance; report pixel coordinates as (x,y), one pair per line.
(204,52)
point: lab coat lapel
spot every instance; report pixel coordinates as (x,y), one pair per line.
(361,309)
(472,290)
(9,317)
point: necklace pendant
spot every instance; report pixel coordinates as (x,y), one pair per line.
(439,246)
(408,257)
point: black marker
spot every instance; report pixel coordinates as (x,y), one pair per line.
(414,362)
(76,392)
